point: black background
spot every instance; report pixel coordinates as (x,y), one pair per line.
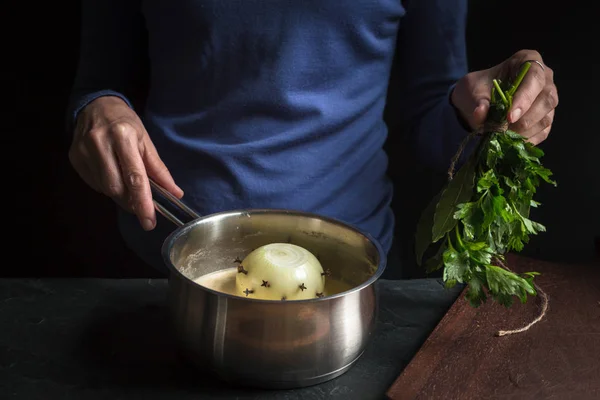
(56,226)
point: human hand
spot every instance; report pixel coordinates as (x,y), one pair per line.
(534,103)
(113,154)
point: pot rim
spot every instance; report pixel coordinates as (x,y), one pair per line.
(183,229)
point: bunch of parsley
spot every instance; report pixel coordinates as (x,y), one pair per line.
(483,212)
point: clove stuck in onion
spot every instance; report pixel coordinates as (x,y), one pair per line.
(280,271)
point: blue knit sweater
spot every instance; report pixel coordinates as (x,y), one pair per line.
(279,103)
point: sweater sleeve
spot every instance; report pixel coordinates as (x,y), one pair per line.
(111,52)
(431,57)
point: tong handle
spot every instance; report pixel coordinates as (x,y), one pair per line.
(170,206)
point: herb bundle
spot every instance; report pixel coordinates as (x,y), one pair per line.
(482,213)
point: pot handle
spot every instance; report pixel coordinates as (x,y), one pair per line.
(170,206)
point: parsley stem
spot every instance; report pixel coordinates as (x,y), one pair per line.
(458,239)
(449,242)
(513,88)
(500,92)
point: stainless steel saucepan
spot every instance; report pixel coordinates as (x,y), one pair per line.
(262,343)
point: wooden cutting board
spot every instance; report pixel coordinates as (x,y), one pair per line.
(558,358)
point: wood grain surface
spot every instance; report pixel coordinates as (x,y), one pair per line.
(558,358)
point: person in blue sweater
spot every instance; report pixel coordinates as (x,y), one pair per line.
(277,104)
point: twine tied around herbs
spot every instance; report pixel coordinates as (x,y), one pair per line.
(541,314)
(487,127)
(545,299)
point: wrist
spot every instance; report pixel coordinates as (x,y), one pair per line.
(106,100)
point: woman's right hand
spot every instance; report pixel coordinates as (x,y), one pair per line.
(112,152)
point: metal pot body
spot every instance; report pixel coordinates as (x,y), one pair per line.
(273,344)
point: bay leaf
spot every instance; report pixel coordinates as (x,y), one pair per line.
(459,190)
(436,261)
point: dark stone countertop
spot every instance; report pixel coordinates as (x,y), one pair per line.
(109,339)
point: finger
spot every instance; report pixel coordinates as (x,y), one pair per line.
(539,126)
(135,179)
(103,162)
(480,113)
(77,158)
(540,136)
(532,85)
(543,106)
(472,97)
(88,177)
(157,169)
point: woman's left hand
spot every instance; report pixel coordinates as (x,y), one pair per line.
(534,103)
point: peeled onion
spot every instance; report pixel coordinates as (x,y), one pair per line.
(280,271)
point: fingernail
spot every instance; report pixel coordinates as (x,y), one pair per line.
(147,224)
(515,115)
